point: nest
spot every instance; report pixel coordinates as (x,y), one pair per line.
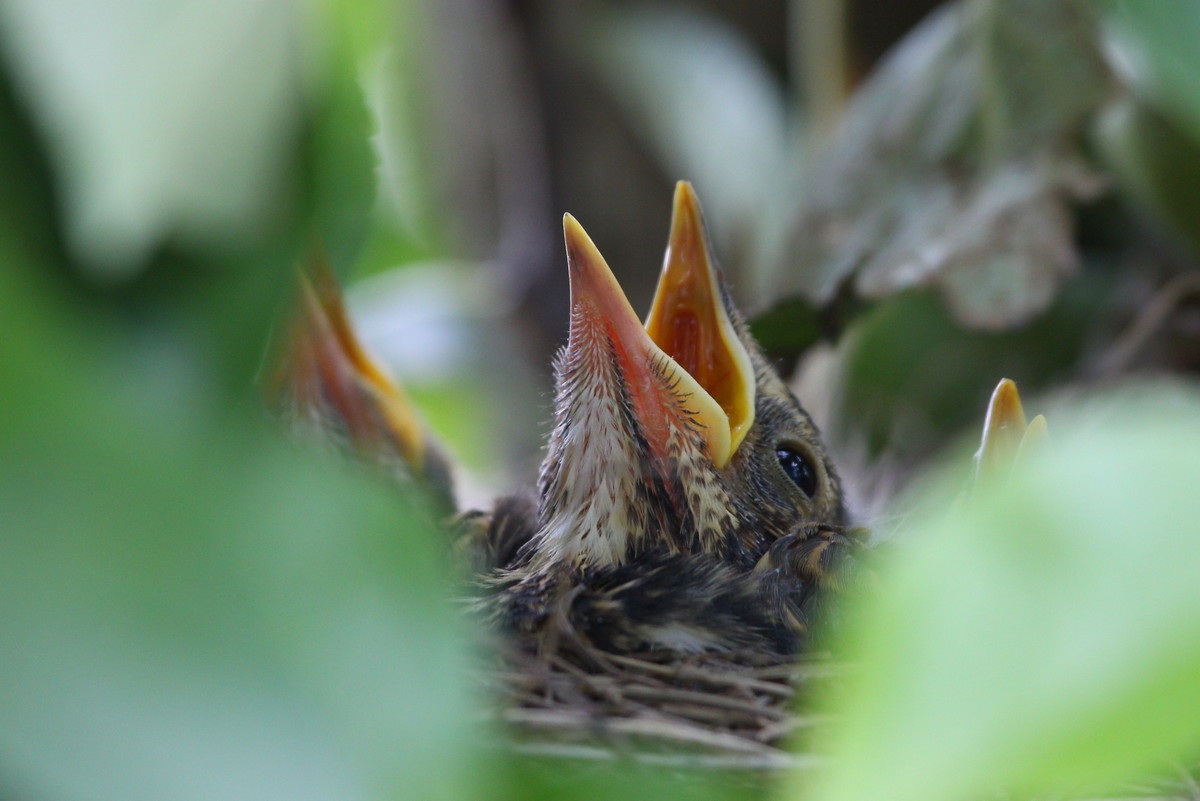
(728,710)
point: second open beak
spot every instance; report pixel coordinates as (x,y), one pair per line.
(690,321)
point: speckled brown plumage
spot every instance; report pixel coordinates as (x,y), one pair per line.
(702,557)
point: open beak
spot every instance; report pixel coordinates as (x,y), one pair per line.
(688,320)
(658,391)
(329,375)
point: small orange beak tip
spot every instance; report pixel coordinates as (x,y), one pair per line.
(591,278)
(572,231)
(583,257)
(1004,409)
(687,223)
(684,193)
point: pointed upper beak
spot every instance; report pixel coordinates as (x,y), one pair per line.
(689,320)
(657,389)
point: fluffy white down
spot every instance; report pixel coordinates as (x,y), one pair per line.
(598,472)
(682,638)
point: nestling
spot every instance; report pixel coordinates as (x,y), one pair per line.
(685,501)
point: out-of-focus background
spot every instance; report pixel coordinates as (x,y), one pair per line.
(911,200)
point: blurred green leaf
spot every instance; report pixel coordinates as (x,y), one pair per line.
(189,606)
(1155,163)
(788,329)
(1157,48)
(162,118)
(409,219)
(340,162)
(955,165)
(1039,73)
(1044,637)
(211,597)
(557,779)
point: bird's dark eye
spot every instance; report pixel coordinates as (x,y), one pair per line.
(799,469)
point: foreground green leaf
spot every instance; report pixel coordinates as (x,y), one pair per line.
(190,607)
(162,118)
(1044,637)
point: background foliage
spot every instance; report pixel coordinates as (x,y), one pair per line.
(913,201)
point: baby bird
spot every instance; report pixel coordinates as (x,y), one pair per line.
(685,501)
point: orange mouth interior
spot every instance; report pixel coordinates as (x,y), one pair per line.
(689,321)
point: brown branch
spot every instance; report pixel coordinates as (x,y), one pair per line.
(1143,328)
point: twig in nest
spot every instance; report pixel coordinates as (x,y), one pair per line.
(661,731)
(708,761)
(699,674)
(702,699)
